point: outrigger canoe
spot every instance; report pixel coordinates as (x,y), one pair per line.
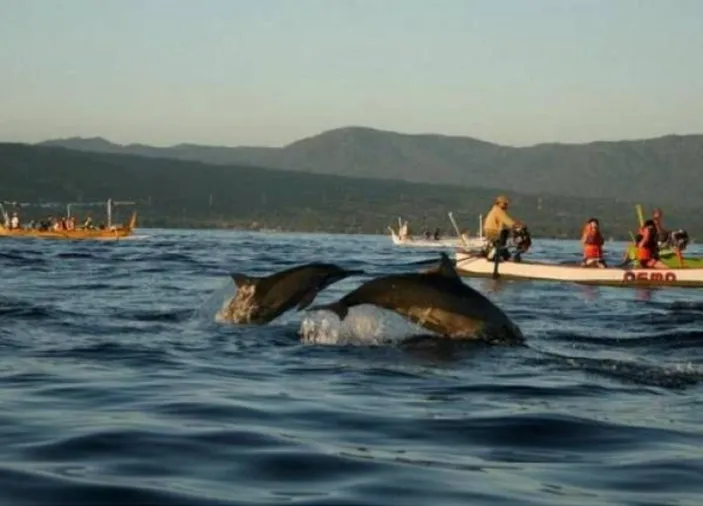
(460,241)
(106,234)
(471,242)
(472,265)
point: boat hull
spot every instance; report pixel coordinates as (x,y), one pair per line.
(474,266)
(99,235)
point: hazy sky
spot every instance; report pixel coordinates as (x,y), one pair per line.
(268,72)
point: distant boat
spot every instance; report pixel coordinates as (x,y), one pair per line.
(110,232)
(401,237)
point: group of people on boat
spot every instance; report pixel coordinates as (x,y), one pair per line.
(432,236)
(652,238)
(63,223)
(404,233)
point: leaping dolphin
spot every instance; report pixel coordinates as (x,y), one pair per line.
(261,299)
(435,299)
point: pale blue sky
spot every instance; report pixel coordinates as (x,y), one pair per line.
(268,72)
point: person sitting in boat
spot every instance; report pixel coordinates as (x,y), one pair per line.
(497,226)
(44,224)
(647,247)
(14,221)
(592,241)
(403,231)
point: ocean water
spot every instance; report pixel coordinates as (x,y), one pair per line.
(118,386)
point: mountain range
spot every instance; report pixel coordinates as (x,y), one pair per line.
(185,194)
(661,170)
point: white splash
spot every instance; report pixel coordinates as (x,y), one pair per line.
(364,325)
(238,308)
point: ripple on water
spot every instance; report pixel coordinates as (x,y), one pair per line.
(118,387)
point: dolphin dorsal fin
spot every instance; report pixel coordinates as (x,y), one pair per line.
(241,280)
(446,268)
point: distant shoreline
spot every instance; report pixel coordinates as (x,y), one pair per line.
(265,230)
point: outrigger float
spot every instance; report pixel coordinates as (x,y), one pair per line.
(110,232)
(400,237)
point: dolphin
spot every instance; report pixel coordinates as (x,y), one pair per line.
(261,299)
(437,300)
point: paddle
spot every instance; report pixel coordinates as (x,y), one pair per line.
(640,214)
(502,239)
(496,261)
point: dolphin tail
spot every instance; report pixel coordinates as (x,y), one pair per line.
(338,308)
(444,268)
(241,280)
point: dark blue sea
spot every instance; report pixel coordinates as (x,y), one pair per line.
(118,386)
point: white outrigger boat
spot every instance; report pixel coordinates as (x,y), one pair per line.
(401,238)
(471,264)
(681,272)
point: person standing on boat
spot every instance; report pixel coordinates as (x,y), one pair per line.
(648,248)
(497,226)
(592,241)
(662,233)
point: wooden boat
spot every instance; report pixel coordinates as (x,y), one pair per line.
(472,265)
(106,234)
(111,232)
(465,241)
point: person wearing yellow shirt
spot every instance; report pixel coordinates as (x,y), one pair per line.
(497,225)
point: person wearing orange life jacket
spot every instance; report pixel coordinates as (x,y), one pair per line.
(648,248)
(592,241)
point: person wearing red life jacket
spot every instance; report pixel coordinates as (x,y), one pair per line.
(592,241)
(648,248)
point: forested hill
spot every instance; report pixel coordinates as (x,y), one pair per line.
(663,169)
(193,194)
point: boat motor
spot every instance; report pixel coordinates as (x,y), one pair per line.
(522,240)
(679,239)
